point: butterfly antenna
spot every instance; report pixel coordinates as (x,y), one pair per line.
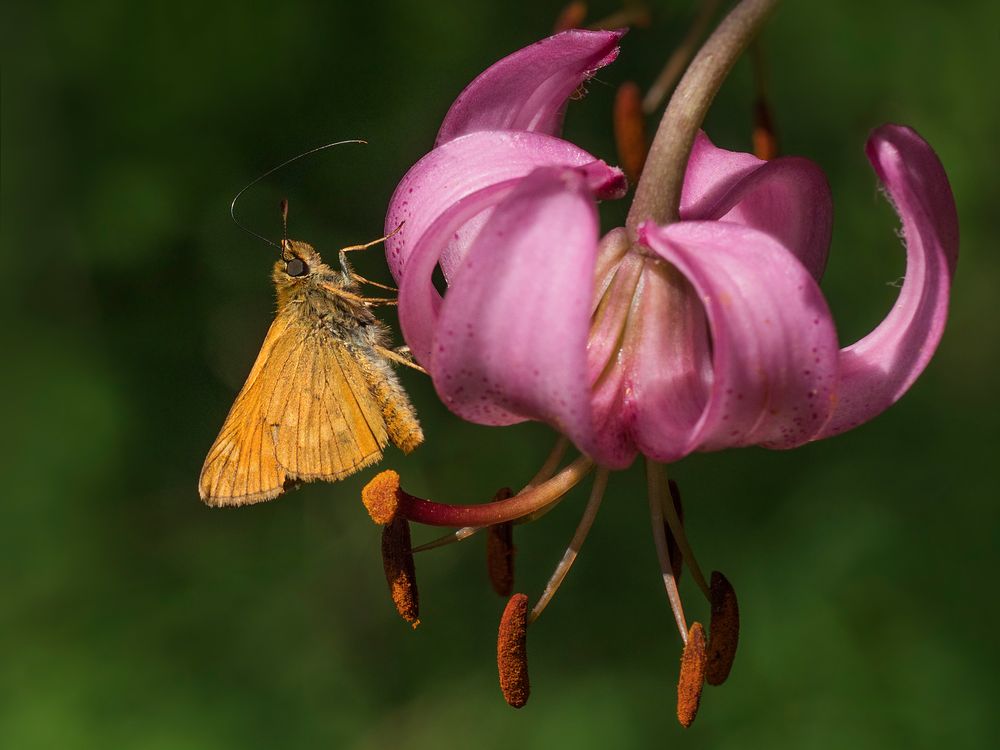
(268,173)
(283,206)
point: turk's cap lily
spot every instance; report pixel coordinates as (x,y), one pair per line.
(703,334)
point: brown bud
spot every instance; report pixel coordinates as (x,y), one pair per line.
(571,17)
(400,572)
(381,497)
(512,651)
(630,130)
(692,676)
(724,629)
(500,552)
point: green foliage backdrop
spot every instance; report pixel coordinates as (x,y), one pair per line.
(133,617)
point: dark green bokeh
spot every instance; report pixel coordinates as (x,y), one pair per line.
(134,617)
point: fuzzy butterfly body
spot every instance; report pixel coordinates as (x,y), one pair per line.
(322,400)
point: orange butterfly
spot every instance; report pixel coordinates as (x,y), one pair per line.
(322,399)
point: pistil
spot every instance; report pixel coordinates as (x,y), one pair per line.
(528,501)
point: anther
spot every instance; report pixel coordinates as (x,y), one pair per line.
(765,139)
(512,651)
(724,630)
(382,496)
(500,551)
(692,676)
(571,17)
(400,572)
(630,130)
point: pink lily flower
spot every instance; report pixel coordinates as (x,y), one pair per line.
(708,333)
(702,334)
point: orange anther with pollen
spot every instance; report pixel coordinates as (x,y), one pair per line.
(512,651)
(692,678)
(400,572)
(724,630)
(381,497)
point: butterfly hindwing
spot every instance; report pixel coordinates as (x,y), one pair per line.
(304,413)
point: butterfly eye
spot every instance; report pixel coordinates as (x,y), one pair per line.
(295,267)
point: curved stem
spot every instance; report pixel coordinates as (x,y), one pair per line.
(487,514)
(658,193)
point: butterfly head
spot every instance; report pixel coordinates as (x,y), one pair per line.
(297,268)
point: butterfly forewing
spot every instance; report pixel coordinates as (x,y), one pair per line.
(306,412)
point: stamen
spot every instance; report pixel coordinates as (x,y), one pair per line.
(677,529)
(724,630)
(679,58)
(676,558)
(512,651)
(633,14)
(569,556)
(400,572)
(442,541)
(543,474)
(571,17)
(500,552)
(489,514)
(692,676)
(630,130)
(765,138)
(381,497)
(655,488)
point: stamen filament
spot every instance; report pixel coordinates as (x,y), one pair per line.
(656,485)
(677,529)
(430,513)
(569,557)
(679,58)
(543,474)
(658,194)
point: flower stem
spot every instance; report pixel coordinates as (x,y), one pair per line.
(658,194)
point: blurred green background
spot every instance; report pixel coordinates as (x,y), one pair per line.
(131,616)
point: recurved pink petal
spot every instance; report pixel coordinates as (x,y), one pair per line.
(528,89)
(511,340)
(877,370)
(787,197)
(772,344)
(464,166)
